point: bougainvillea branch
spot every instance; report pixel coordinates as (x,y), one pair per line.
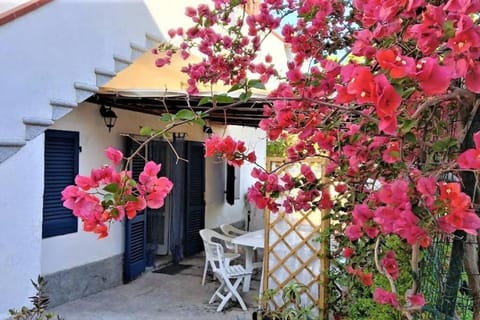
(390,117)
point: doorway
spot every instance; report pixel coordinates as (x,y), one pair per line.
(172,229)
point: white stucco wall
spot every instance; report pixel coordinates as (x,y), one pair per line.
(217,210)
(21,228)
(49,49)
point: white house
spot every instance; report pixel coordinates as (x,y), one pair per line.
(55,55)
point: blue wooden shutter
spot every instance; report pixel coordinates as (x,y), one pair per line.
(60,169)
(230,194)
(195,203)
(135,229)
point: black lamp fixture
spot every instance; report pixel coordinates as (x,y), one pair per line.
(109,117)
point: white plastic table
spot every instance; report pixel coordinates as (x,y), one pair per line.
(250,240)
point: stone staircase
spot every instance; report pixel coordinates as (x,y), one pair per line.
(36,126)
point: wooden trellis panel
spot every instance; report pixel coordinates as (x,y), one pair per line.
(293,252)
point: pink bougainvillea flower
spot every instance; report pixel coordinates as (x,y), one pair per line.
(472,78)
(114,155)
(392,153)
(366,278)
(399,66)
(362,46)
(85,183)
(428,34)
(416,300)
(362,85)
(470,159)
(387,102)
(361,214)
(389,262)
(433,78)
(462,6)
(104,175)
(466,36)
(466,220)
(353,232)
(383,296)
(348,252)
(427,187)
(132,207)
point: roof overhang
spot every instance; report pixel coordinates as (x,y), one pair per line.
(143,87)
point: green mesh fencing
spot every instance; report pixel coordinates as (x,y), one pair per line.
(433,275)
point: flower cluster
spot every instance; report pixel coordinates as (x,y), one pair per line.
(233,151)
(108,195)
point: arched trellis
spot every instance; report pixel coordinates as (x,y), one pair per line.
(295,250)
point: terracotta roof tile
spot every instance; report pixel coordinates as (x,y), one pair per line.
(21,10)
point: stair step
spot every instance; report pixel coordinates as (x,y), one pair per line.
(137,50)
(153,40)
(60,108)
(9,147)
(35,126)
(103,76)
(84,91)
(121,63)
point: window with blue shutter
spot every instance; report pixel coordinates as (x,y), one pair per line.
(61,167)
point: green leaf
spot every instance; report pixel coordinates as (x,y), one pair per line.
(132,183)
(444,144)
(223,98)
(407,92)
(234,88)
(112,187)
(200,122)
(185,114)
(394,153)
(167,117)
(114,212)
(146,131)
(255,83)
(131,198)
(245,96)
(407,125)
(448,29)
(410,137)
(205,100)
(201,114)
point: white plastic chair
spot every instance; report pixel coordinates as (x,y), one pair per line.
(230,277)
(231,231)
(209,237)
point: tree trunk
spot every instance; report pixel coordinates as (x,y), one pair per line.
(460,253)
(473,272)
(471,255)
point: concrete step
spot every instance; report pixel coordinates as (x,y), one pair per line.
(84,91)
(60,108)
(137,51)
(10,146)
(121,63)
(102,76)
(153,40)
(35,126)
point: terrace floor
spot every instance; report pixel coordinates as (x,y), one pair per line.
(156,296)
